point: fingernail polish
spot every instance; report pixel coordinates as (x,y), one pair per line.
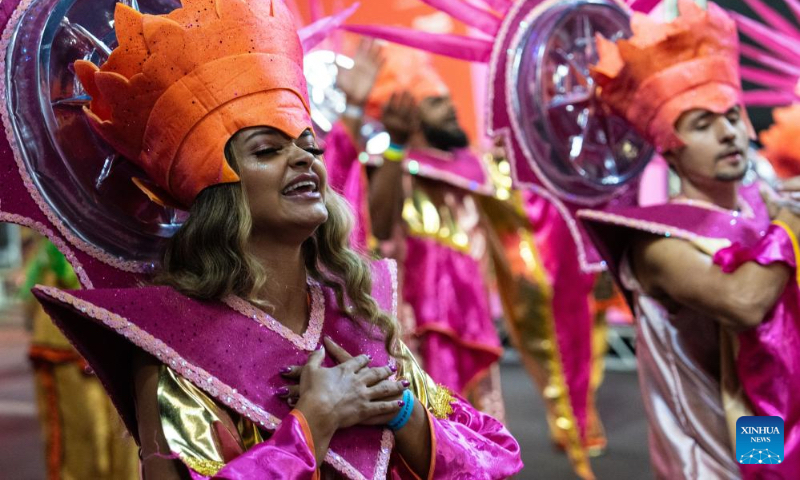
(400,403)
(319,347)
(282,391)
(369,357)
(406,383)
(393,368)
(286,369)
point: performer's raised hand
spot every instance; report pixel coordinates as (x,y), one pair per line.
(400,117)
(357,82)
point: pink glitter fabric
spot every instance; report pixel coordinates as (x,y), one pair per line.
(768,360)
(236,360)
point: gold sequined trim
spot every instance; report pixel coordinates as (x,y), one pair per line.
(440,404)
(204,467)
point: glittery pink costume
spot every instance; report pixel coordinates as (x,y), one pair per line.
(200,341)
(227,350)
(681,356)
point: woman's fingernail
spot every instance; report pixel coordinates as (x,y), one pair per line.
(400,403)
(393,368)
(406,383)
(286,370)
(369,357)
(282,391)
(320,347)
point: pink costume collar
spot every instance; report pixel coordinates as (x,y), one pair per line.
(611,229)
(229,356)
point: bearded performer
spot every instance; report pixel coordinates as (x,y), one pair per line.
(210,102)
(422,205)
(711,277)
(347,173)
(546,297)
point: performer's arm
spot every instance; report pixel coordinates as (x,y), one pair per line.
(344,140)
(447,438)
(386,194)
(185,424)
(673,269)
(204,441)
(155,453)
(357,83)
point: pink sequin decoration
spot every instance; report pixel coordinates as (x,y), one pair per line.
(59,242)
(652,227)
(309,340)
(207,382)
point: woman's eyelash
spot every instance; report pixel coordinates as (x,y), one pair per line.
(270,151)
(267,151)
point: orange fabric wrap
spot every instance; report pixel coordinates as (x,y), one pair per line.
(714,97)
(178,86)
(708,83)
(248,84)
(667,69)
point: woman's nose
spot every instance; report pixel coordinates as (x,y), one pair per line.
(299,157)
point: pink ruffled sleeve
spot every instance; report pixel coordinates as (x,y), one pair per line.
(471,444)
(287,455)
(778,245)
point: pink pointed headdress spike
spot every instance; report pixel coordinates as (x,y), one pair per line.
(473,16)
(794,6)
(455,46)
(768,98)
(769,79)
(312,35)
(773,18)
(642,5)
(768,38)
(770,61)
(500,6)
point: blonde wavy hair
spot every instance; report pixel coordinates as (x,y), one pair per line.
(208,259)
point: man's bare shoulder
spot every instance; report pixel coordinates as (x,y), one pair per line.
(656,259)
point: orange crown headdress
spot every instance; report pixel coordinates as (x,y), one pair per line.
(667,69)
(178,86)
(782,141)
(404,69)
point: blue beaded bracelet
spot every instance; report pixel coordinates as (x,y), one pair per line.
(402,417)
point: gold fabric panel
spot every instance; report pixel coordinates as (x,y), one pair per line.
(188,417)
(446,215)
(435,398)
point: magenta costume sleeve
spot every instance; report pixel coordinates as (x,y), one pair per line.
(347,176)
(287,455)
(768,362)
(471,444)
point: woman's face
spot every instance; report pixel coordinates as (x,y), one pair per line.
(284,180)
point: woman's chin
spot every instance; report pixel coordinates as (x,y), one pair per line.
(309,221)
